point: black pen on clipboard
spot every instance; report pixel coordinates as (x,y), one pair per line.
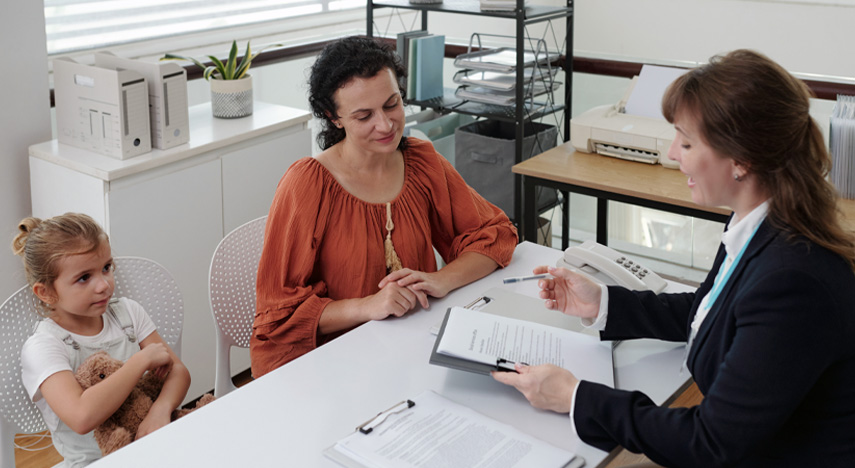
(381,417)
(504,365)
(478,303)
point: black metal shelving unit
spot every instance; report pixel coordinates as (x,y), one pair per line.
(522,16)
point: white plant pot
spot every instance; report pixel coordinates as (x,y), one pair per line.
(231,99)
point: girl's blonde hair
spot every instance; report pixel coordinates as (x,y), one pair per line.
(42,243)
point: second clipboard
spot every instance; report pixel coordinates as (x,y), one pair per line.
(516,306)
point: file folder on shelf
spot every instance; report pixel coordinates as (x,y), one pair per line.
(429,52)
(842,146)
(403,50)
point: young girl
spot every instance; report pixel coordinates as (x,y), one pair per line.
(69,266)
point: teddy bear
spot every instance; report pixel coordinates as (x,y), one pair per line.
(120,429)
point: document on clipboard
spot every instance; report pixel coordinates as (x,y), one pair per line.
(516,328)
(430,430)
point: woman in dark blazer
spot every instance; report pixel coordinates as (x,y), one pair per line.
(771,330)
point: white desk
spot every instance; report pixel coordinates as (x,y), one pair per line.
(289,416)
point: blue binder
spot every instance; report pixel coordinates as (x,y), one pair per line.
(429,54)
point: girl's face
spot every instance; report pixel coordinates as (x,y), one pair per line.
(82,288)
(372,112)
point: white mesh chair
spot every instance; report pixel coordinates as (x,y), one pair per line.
(140,279)
(150,284)
(232,293)
(18,414)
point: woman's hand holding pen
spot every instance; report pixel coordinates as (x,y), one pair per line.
(569,292)
(545,386)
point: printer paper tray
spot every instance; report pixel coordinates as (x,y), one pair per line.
(626,153)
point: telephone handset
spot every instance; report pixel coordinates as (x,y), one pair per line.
(607,266)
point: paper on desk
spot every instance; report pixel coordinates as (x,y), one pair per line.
(483,337)
(646,97)
(439,432)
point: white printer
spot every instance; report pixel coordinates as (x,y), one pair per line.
(642,135)
(102,110)
(167,97)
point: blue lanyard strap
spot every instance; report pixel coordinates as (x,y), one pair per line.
(721,279)
(718,284)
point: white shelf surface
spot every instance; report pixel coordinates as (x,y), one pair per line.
(207,133)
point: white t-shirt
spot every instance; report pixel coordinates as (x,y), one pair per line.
(44,354)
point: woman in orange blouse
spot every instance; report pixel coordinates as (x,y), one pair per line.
(351,232)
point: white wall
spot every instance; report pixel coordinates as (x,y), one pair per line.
(25,120)
(804,38)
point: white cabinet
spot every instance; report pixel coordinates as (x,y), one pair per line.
(175,206)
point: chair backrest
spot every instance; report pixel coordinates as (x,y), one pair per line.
(18,413)
(150,284)
(140,279)
(232,293)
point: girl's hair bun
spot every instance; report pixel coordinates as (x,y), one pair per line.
(25,227)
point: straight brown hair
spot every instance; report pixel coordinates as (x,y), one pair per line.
(752,110)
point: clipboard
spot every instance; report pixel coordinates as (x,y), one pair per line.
(449,420)
(508,304)
(366,428)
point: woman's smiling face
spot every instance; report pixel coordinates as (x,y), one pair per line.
(710,173)
(372,112)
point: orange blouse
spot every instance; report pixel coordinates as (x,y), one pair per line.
(323,244)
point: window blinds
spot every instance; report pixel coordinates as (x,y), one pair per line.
(76,25)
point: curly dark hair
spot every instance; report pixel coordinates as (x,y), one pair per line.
(337,64)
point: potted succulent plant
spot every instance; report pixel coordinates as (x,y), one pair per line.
(231,85)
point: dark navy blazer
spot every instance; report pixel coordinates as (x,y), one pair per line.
(775,360)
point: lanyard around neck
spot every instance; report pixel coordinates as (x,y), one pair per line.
(721,279)
(718,284)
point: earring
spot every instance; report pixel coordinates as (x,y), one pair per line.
(737,177)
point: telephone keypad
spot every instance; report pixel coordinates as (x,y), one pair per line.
(632,267)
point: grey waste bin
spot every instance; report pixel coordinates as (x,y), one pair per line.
(484,154)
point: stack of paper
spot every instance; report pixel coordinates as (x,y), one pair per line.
(501,81)
(490,95)
(490,76)
(432,431)
(842,143)
(499,5)
(502,60)
(485,338)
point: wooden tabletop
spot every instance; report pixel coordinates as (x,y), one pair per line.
(648,181)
